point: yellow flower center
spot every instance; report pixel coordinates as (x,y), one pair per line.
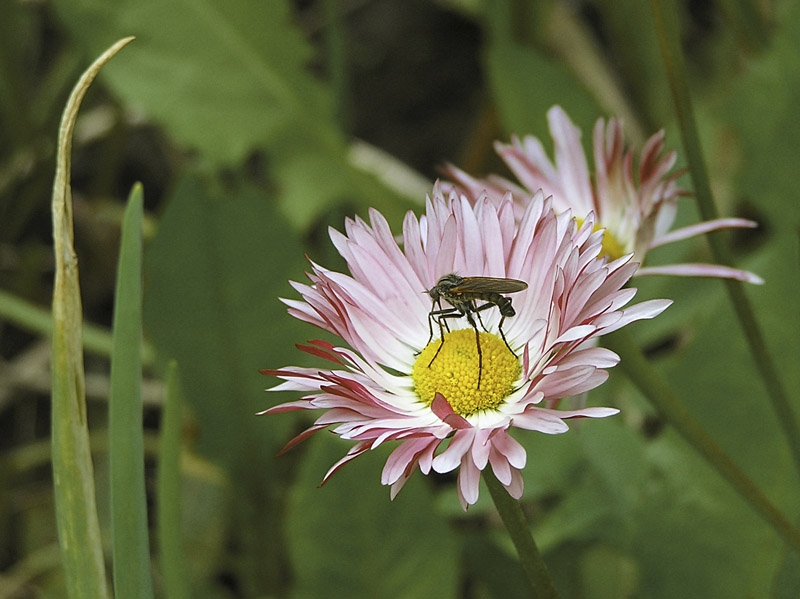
(454,371)
(611,247)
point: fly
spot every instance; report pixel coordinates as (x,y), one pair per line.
(462,293)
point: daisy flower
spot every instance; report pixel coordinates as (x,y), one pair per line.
(635,210)
(447,405)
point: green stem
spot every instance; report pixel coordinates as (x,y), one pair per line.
(665,17)
(650,383)
(514,520)
(27,315)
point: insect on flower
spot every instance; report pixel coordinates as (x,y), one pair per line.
(380,392)
(462,293)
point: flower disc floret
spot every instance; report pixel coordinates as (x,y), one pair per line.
(610,247)
(453,372)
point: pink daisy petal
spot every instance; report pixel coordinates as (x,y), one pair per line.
(702,228)
(367,392)
(510,449)
(635,206)
(459,445)
(702,270)
(400,462)
(501,468)
(468,482)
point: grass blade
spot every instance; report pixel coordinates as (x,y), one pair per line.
(131,549)
(170,538)
(73,481)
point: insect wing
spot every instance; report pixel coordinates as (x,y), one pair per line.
(489,285)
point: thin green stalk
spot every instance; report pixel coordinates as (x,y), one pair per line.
(129,531)
(650,383)
(170,539)
(73,479)
(665,16)
(514,520)
(33,318)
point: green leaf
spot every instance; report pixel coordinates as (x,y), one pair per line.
(76,507)
(631,47)
(129,533)
(689,518)
(761,108)
(525,84)
(348,539)
(170,525)
(214,272)
(313,179)
(694,537)
(730,400)
(222,77)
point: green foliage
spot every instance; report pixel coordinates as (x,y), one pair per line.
(413,552)
(236,70)
(214,272)
(510,65)
(760,111)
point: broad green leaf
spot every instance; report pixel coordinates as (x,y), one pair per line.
(494,570)
(632,49)
(787,580)
(228,78)
(694,536)
(221,76)
(129,532)
(761,109)
(730,399)
(312,180)
(691,520)
(214,272)
(347,539)
(525,84)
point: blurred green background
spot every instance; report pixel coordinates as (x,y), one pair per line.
(256,125)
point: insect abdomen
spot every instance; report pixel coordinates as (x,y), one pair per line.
(503,304)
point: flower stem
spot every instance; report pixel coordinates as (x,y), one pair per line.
(653,386)
(665,17)
(520,533)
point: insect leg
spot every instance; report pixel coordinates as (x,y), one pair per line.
(477,311)
(477,341)
(499,326)
(431,318)
(439,316)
